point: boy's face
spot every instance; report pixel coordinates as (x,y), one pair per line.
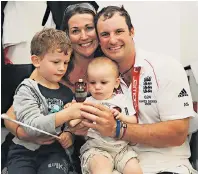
(102,80)
(52,66)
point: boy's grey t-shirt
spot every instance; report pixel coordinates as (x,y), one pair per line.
(36,105)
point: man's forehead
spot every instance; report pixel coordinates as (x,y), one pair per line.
(106,17)
(116,21)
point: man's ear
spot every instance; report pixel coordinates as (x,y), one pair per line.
(117,83)
(35,61)
(132,32)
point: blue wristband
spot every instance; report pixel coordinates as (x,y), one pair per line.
(118,126)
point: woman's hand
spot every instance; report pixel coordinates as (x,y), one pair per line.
(102,116)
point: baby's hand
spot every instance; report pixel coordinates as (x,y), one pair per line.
(117,115)
(65,139)
(69,104)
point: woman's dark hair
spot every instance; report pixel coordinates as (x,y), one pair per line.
(82,8)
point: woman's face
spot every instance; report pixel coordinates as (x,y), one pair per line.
(82,34)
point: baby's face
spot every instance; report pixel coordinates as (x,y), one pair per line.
(101,81)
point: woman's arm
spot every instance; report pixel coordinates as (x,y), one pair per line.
(18,131)
(11,126)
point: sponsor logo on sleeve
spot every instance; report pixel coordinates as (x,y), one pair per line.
(183,93)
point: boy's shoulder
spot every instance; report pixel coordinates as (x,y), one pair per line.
(65,88)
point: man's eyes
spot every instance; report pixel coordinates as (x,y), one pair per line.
(119,31)
(104,34)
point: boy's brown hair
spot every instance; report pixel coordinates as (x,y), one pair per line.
(49,40)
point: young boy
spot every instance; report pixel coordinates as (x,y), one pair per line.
(35,102)
(103,154)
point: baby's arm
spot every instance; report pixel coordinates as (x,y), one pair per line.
(123,117)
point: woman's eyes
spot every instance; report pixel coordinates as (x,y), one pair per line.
(90,28)
(75,31)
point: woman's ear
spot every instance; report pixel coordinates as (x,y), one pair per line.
(117,83)
(35,61)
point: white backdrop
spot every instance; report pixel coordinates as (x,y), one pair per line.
(167,27)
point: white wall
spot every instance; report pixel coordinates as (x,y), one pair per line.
(166,27)
(157,25)
(189,32)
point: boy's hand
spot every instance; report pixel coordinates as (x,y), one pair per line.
(73,123)
(69,104)
(65,139)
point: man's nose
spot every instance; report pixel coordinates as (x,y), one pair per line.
(113,39)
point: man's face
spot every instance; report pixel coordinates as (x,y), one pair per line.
(115,38)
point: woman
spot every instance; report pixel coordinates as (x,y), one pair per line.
(79,25)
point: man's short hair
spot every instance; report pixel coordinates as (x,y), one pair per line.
(109,11)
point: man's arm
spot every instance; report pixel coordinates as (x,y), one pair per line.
(163,134)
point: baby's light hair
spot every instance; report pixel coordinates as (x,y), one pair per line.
(104,60)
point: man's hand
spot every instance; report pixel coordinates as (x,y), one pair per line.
(65,139)
(102,116)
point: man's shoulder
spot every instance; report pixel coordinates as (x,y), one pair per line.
(157,61)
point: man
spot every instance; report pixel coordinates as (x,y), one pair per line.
(162,99)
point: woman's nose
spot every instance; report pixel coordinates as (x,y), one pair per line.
(83,35)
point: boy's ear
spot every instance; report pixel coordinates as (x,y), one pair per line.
(117,83)
(35,61)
